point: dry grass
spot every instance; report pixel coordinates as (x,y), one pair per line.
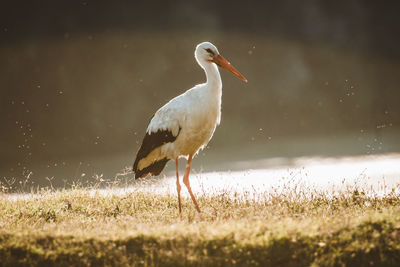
(291,227)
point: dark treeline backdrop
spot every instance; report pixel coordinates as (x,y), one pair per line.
(81,79)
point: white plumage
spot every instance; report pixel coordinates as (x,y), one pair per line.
(185,124)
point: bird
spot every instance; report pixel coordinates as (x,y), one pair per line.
(185,125)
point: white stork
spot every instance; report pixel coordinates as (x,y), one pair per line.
(185,124)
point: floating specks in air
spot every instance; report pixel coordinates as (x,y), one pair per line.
(251,51)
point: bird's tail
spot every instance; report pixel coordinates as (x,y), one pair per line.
(153,169)
(152,141)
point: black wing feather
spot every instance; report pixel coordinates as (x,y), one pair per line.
(150,142)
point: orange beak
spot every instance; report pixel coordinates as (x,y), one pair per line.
(222,62)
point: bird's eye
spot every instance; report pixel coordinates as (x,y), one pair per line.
(210,51)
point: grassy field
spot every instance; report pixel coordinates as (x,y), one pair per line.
(292,227)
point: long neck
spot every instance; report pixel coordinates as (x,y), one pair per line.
(212,74)
(213,86)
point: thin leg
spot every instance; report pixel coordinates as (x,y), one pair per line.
(178,187)
(187,183)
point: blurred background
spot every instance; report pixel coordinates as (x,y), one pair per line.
(81,79)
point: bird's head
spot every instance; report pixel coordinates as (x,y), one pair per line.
(207,52)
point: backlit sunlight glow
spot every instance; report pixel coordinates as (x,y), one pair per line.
(376,174)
